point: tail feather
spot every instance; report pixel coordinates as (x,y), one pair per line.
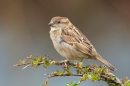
(110,66)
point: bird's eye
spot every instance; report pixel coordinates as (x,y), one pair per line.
(58,22)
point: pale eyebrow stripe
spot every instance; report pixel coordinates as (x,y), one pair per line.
(51,21)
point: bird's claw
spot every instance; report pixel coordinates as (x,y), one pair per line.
(64,63)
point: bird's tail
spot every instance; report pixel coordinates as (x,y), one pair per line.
(110,66)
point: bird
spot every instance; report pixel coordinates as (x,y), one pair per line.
(71,43)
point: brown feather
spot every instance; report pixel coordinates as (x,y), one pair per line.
(74,38)
(71,43)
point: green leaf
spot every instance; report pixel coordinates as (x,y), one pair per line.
(31,61)
(123,82)
(113,77)
(128,83)
(82,78)
(67,84)
(50,61)
(118,85)
(80,64)
(75,85)
(68,67)
(98,70)
(86,68)
(19,62)
(57,72)
(46,62)
(37,59)
(77,71)
(70,73)
(35,62)
(85,76)
(63,71)
(93,76)
(111,84)
(71,83)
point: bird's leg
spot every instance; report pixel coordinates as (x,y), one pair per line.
(81,60)
(64,63)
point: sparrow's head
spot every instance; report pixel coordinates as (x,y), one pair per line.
(59,22)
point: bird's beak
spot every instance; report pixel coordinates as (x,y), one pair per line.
(51,23)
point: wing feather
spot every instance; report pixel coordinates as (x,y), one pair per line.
(76,39)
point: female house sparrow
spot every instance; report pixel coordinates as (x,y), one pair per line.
(71,43)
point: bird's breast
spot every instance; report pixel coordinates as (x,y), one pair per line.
(63,48)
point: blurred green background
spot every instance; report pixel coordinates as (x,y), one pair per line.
(24,30)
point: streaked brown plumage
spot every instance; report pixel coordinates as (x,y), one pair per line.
(71,43)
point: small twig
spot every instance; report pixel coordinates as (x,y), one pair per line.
(22,64)
(117,80)
(103,77)
(79,81)
(55,75)
(26,66)
(49,57)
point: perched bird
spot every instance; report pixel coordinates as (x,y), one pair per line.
(71,43)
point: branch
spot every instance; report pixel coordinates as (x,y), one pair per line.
(106,76)
(92,72)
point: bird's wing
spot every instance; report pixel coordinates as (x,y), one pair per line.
(76,39)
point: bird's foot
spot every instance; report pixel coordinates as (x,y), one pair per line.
(64,63)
